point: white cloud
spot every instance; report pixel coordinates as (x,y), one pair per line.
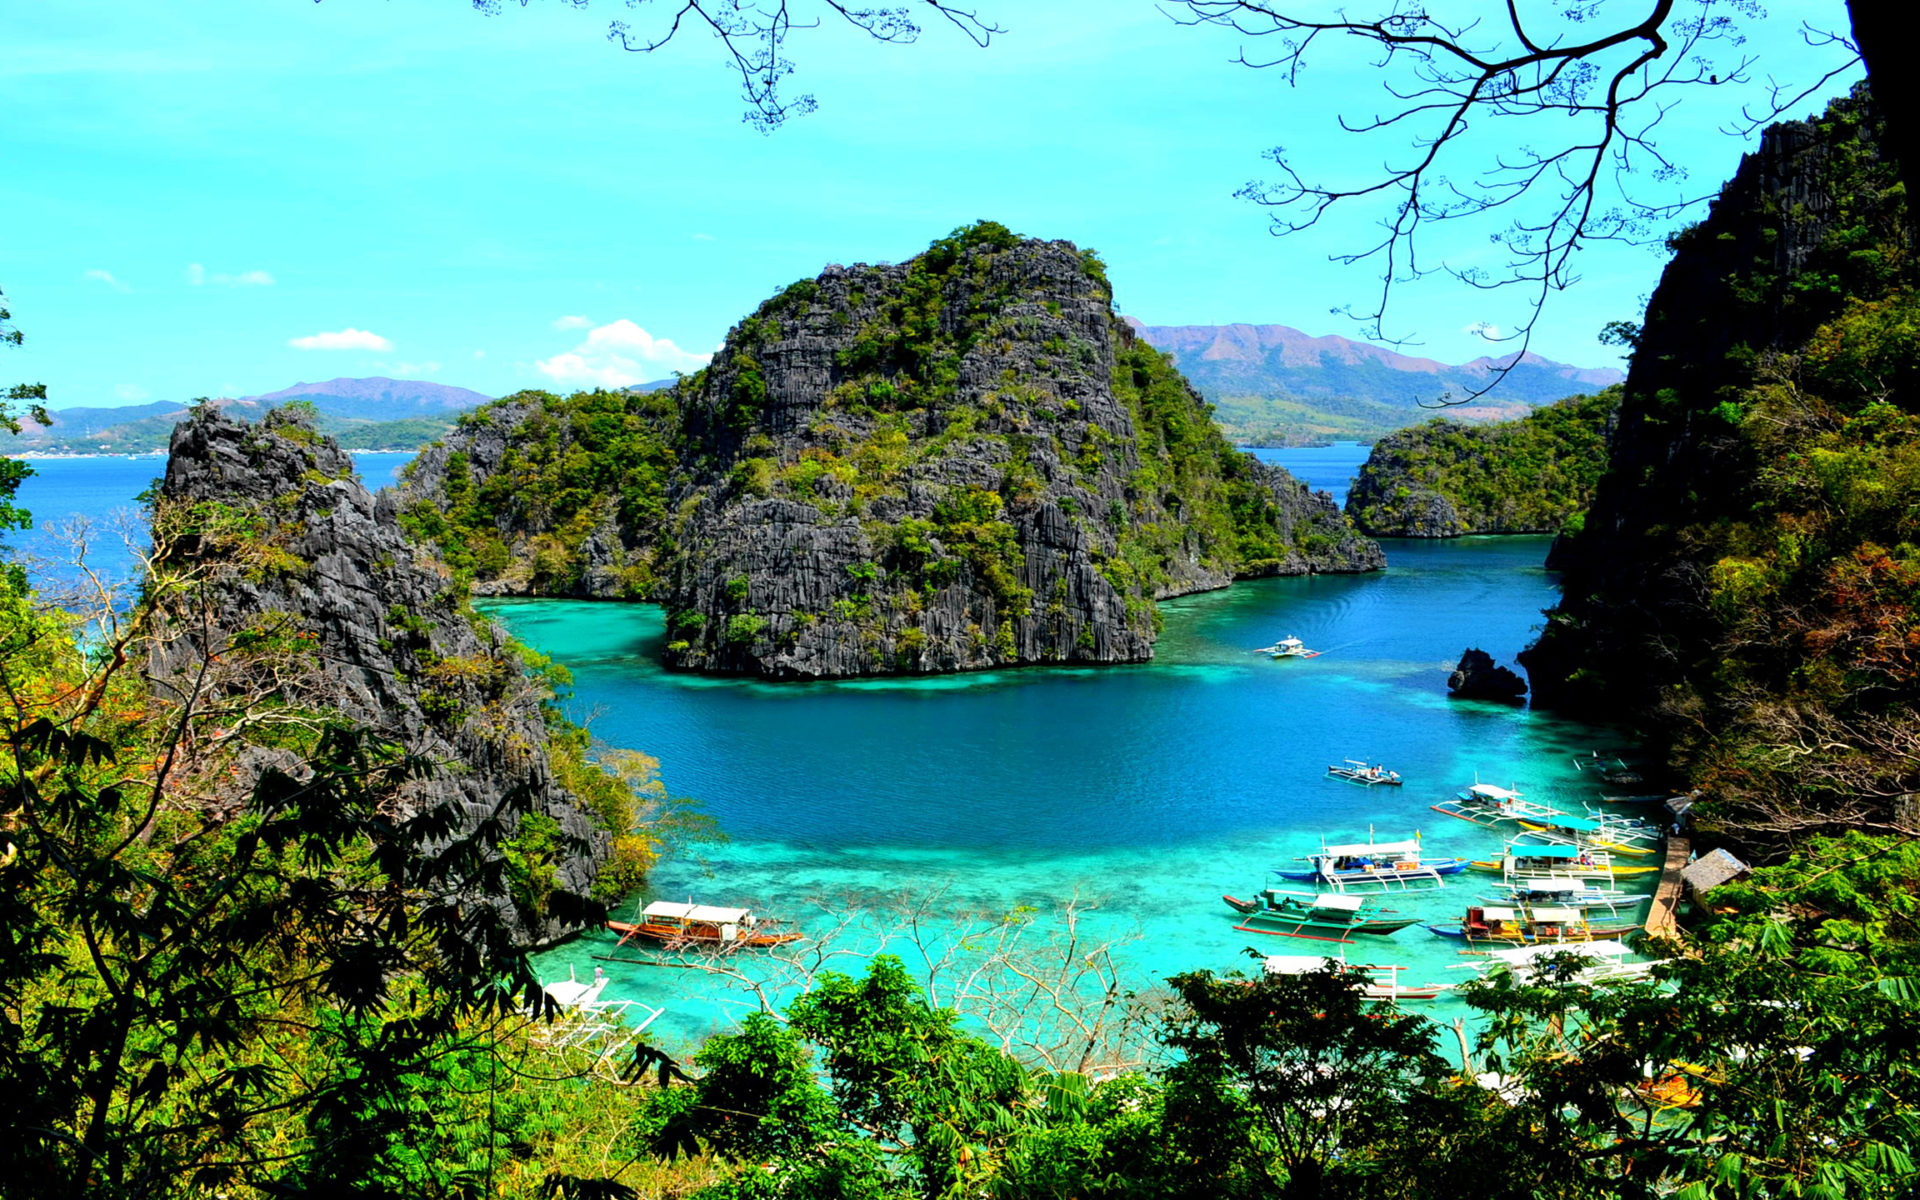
(1483,329)
(131,391)
(197,276)
(345,339)
(619,355)
(479,353)
(573,322)
(106,277)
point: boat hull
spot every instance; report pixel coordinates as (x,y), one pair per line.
(674,935)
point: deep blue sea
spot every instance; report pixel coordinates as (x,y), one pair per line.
(1146,791)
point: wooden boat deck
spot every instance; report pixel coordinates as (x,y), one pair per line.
(1661,921)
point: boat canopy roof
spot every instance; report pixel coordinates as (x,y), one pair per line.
(1299,964)
(1339,903)
(672,911)
(1497,914)
(1563,915)
(1523,850)
(1578,824)
(1487,791)
(1356,849)
(1550,886)
(1517,955)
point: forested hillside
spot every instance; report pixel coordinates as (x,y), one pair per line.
(1444,478)
(1747,580)
(959,462)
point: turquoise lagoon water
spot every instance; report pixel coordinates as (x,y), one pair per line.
(1149,789)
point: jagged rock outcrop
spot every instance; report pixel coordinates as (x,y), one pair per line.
(1478,678)
(274,537)
(958,462)
(1746,586)
(1782,248)
(1447,478)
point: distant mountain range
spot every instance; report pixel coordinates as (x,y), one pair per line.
(1272,384)
(365,414)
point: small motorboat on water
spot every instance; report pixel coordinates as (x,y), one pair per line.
(1355,770)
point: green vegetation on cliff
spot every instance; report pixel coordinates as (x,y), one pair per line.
(1749,582)
(1444,478)
(569,460)
(958,462)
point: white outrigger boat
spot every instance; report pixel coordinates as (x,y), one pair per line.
(1382,980)
(1288,647)
(1356,770)
(1569,893)
(1372,862)
(603,1028)
(1489,805)
(1530,859)
(1565,963)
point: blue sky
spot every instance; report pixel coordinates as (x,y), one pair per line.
(224,197)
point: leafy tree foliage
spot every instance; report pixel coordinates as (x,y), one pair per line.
(1530,475)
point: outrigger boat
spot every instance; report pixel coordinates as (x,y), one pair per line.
(1566,963)
(1322,918)
(1554,860)
(1569,893)
(1485,804)
(1591,832)
(1526,924)
(675,924)
(1371,862)
(1382,979)
(1288,647)
(1357,771)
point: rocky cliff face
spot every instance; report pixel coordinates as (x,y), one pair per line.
(959,462)
(268,534)
(1747,583)
(1790,238)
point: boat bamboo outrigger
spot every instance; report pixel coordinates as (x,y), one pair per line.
(1314,915)
(1382,980)
(1356,770)
(674,924)
(1372,862)
(603,1028)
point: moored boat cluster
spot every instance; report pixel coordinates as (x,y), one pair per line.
(1557,912)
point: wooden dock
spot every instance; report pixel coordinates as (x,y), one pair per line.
(1660,915)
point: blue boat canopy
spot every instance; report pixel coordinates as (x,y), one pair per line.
(1578,824)
(1544,851)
